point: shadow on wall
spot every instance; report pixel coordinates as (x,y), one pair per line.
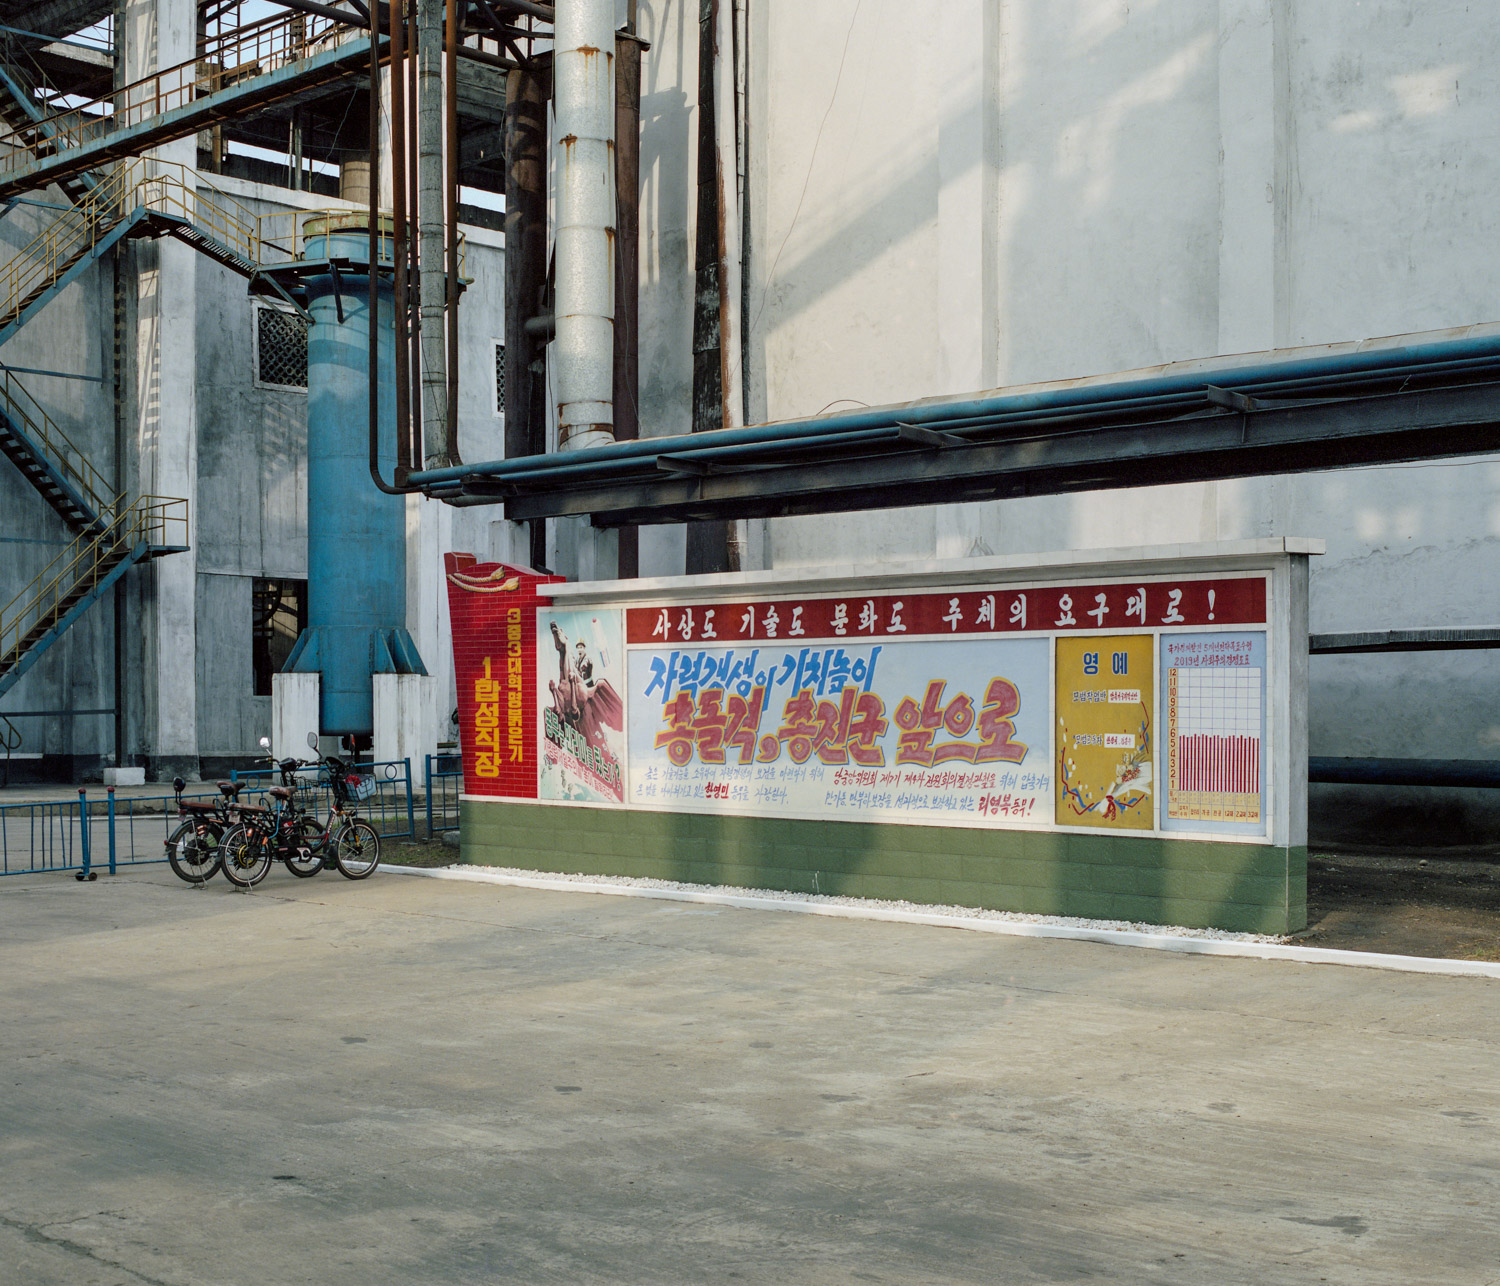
(1141,195)
(1401,816)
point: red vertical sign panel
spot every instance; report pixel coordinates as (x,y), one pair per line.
(493,609)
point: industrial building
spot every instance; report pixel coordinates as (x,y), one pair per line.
(853,204)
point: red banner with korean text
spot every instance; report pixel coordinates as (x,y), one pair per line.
(493,609)
(1145,605)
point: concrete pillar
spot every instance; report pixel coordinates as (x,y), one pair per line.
(295,700)
(157,34)
(429,535)
(407,720)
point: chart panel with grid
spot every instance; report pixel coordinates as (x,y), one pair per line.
(1215,738)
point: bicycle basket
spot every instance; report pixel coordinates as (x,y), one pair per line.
(360,787)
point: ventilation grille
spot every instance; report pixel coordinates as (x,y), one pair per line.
(280,349)
(499,379)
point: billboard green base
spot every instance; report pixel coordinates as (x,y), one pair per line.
(1252,888)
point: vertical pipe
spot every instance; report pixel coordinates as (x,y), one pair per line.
(294,149)
(111,822)
(525,252)
(450,442)
(430,107)
(708,542)
(373,298)
(526,94)
(726,147)
(583,67)
(627,265)
(413,321)
(404,459)
(427,792)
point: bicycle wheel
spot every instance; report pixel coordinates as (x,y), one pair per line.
(356,850)
(192,856)
(247,856)
(312,844)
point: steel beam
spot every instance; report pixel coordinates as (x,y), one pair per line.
(1436,639)
(319,70)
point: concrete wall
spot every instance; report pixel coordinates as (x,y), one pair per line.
(1016,190)
(66,337)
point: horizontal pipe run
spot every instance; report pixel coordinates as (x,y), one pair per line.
(1431,639)
(1480,774)
(1188,388)
(547,470)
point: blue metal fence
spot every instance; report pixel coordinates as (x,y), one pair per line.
(44,837)
(69,835)
(391,810)
(442,781)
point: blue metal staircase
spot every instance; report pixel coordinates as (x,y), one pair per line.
(81,575)
(51,463)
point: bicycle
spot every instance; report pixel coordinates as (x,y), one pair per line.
(293,835)
(194,850)
(284,832)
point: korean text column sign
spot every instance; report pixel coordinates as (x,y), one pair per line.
(493,608)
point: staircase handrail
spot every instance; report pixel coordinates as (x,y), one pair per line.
(255,49)
(73,232)
(181,190)
(84,562)
(56,447)
(142,184)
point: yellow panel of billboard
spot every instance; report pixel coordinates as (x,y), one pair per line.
(1105,739)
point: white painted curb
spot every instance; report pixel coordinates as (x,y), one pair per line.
(1011,928)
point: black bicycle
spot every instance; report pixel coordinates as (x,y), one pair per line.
(291,833)
(195,848)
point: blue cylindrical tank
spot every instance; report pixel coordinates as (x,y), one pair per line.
(356,534)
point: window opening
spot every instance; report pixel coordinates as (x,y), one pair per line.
(279,612)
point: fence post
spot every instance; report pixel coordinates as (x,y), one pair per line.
(84,872)
(411,814)
(111,791)
(427,784)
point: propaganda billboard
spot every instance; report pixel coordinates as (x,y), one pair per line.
(1135,707)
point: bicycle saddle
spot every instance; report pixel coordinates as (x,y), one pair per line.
(229,789)
(280,792)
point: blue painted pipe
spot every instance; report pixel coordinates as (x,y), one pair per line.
(356,536)
(1251,378)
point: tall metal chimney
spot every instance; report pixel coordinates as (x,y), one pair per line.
(584,94)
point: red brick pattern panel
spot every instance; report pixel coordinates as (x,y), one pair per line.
(493,609)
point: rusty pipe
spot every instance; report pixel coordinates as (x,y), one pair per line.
(399,239)
(374,265)
(451,114)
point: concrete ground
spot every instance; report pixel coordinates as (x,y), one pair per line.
(420,1081)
